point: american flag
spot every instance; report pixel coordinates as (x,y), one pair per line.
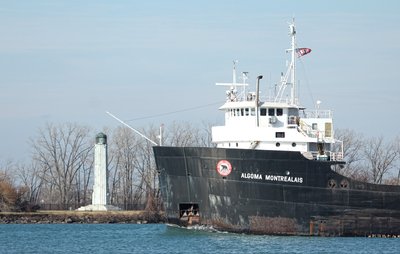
(302,51)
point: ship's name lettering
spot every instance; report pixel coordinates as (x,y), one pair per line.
(251,176)
(284,178)
(272,178)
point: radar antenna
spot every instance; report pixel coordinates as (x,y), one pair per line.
(232,94)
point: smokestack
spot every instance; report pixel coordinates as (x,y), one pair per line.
(258,98)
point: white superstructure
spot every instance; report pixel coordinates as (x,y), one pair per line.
(277,122)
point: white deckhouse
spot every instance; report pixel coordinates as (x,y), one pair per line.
(277,122)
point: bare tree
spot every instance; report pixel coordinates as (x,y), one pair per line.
(205,138)
(84,179)
(8,193)
(180,135)
(31,178)
(380,157)
(352,148)
(61,151)
(395,180)
(148,172)
(185,134)
(123,152)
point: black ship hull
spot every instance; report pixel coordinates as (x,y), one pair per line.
(271,192)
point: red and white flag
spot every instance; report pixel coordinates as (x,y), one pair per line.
(302,51)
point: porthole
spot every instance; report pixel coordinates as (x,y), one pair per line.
(344,184)
(278,144)
(332,183)
(294,144)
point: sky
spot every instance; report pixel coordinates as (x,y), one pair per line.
(69,61)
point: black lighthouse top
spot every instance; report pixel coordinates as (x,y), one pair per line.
(101,138)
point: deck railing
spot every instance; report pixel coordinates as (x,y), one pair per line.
(316,114)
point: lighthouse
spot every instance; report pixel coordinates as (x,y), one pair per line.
(100,196)
(100,189)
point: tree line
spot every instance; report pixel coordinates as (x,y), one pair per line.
(373,159)
(59,174)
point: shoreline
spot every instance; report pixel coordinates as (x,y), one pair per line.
(81,217)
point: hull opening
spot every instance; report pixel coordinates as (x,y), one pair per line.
(189,214)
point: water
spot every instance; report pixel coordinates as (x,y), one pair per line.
(158,238)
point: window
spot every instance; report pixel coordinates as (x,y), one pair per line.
(263,111)
(246,110)
(279,134)
(271,111)
(314,126)
(292,120)
(328,130)
(279,111)
(253,111)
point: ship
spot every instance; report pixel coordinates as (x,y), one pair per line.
(272,170)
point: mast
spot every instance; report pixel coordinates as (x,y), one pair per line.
(289,79)
(234,72)
(293,64)
(244,77)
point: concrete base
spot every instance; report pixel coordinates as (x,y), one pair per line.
(99,208)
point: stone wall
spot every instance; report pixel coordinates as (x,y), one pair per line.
(49,217)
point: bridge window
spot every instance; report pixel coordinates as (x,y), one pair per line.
(263,111)
(279,111)
(271,111)
(246,110)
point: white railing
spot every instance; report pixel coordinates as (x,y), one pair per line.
(317,114)
(338,156)
(333,156)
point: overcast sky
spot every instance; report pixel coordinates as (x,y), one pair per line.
(70,61)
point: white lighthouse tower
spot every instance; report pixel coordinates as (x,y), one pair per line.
(100,197)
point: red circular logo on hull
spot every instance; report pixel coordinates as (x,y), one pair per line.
(224,167)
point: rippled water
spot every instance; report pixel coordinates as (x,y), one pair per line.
(158,238)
